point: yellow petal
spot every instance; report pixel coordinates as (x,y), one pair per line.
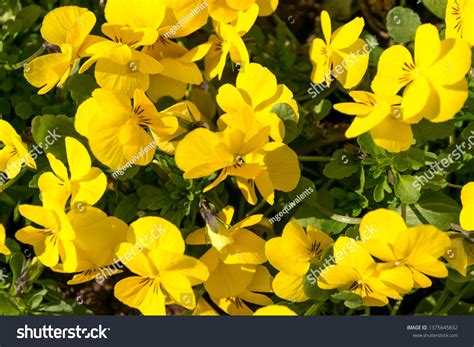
(289,287)
(229,280)
(274,310)
(201,154)
(136,260)
(354,61)
(145,295)
(135,13)
(59,22)
(347,34)
(158,233)
(247,248)
(267,7)
(393,135)
(391,76)
(78,158)
(427,45)
(326,26)
(47,71)
(360,125)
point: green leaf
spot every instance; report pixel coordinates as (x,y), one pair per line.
(308,215)
(17,263)
(306,187)
(406,189)
(434,208)
(413,159)
(127,208)
(437,7)
(402,23)
(351,300)
(286,113)
(28,16)
(36,299)
(81,86)
(49,132)
(342,165)
(426,131)
(7,306)
(322,109)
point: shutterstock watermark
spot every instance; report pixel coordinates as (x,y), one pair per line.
(440,166)
(288,207)
(49,332)
(348,249)
(120,261)
(339,69)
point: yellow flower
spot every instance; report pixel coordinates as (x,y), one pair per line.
(235,252)
(467,214)
(342,51)
(164,275)
(228,41)
(257,87)
(382,116)
(14,154)
(96,238)
(117,131)
(227,11)
(291,254)
(274,310)
(179,68)
(356,271)
(417,248)
(53,243)
(241,150)
(460,20)
(188,117)
(3,248)
(120,66)
(236,305)
(183,17)
(68,28)
(434,81)
(461,253)
(85,184)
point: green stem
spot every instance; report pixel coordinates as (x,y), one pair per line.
(457,186)
(257,207)
(337,217)
(5,186)
(313,310)
(456,298)
(394,310)
(314,158)
(22,63)
(441,300)
(367,311)
(403,208)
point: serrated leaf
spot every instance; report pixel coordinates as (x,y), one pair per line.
(342,165)
(351,300)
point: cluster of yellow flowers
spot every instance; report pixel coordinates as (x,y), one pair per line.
(433,81)
(140,61)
